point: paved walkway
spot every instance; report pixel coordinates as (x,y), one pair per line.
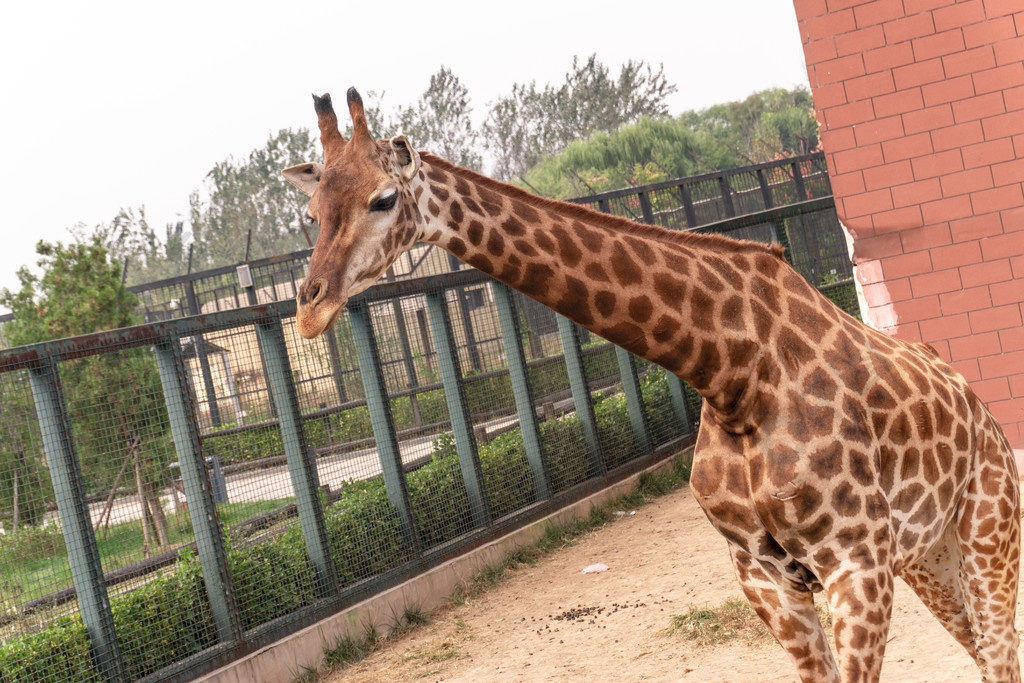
(275,483)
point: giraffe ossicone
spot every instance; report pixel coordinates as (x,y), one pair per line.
(832,457)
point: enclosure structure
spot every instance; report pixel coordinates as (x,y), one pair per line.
(921,111)
(443,412)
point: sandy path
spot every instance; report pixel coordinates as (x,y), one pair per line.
(663,560)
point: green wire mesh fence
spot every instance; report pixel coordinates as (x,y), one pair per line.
(178,494)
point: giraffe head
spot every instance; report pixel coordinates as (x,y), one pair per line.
(360,197)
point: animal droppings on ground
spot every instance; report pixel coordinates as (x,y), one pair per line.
(583,615)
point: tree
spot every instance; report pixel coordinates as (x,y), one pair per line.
(252,195)
(440,121)
(767,125)
(532,123)
(114,399)
(129,238)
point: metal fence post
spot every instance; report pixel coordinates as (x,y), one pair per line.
(201,507)
(581,394)
(723,184)
(204,362)
(301,463)
(645,208)
(458,408)
(798,180)
(512,339)
(677,394)
(634,400)
(381,420)
(766,192)
(83,555)
(331,339)
(691,215)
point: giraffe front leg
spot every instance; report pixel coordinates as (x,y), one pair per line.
(787,608)
(860,596)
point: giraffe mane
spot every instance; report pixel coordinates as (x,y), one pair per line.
(709,241)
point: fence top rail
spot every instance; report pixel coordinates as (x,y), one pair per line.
(222,270)
(692,180)
(769,216)
(35,355)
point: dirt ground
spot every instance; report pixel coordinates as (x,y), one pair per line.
(663,560)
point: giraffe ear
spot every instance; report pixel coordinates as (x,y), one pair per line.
(304,176)
(406,159)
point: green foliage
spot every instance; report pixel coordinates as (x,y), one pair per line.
(164,620)
(564,446)
(129,236)
(439,501)
(768,125)
(508,478)
(440,121)
(253,195)
(27,544)
(533,122)
(59,653)
(365,532)
(271,578)
(79,292)
(114,400)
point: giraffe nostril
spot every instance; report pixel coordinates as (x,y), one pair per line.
(314,292)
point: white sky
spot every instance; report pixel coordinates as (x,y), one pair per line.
(106,105)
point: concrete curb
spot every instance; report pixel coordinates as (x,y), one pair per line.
(287,658)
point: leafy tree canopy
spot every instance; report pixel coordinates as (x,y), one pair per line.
(114,399)
(79,292)
(767,125)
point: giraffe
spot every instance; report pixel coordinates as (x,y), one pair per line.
(833,458)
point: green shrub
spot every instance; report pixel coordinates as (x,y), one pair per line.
(272,578)
(661,418)
(489,394)
(507,474)
(58,653)
(566,451)
(439,501)
(618,444)
(255,444)
(164,620)
(28,543)
(352,425)
(364,532)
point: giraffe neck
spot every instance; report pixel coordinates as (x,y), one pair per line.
(675,299)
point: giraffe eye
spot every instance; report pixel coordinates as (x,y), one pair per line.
(385,202)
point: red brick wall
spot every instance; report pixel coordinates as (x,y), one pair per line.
(921,108)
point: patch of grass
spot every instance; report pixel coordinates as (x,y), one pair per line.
(706,626)
(734,619)
(349,650)
(29,576)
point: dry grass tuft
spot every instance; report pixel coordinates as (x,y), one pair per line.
(735,619)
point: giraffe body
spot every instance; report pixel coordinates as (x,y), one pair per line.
(832,457)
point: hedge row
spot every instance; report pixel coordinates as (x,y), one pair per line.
(169,617)
(485,395)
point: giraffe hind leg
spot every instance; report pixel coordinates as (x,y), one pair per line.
(936,580)
(988,534)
